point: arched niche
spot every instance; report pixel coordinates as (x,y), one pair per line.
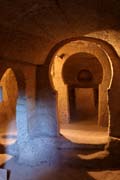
(55,73)
(13,91)
(8,102)
(84,76)
(83,70)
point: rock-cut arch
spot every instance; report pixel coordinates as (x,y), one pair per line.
(55,73)
(13,91)
(9,95)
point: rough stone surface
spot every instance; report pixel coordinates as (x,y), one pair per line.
(113,146)
(30,29)
(32,32)
(3,174)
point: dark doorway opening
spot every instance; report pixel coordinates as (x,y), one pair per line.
(83,103)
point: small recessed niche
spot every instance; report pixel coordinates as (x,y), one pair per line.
(85,75)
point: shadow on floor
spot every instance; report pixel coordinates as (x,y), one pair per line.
(69,169)
(71,165)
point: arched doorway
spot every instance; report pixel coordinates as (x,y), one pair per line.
(82,74)
(57,76)
(9,95)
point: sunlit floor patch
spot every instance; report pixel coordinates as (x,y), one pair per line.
(8,139)
(105,175)
(4,158)
(97,155)
(85,132)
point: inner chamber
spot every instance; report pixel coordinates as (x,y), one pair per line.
(83,103)
(82,74)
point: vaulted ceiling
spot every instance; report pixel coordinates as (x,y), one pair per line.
(30,28)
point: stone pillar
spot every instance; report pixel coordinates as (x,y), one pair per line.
(63,105)
(30,93)
(46,123)
(103,111)
(21,120)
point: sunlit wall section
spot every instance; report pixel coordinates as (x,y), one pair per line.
(62,95)
(8,104)
(57,63)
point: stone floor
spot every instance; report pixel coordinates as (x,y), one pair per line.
(3,174)
(86,131)
(68,170)
(74,163)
